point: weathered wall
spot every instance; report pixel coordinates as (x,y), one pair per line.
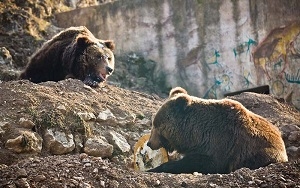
(206,46)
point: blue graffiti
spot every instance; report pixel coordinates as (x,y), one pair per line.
(249,43)
(293,79)
(215,61)
(241,48)
(278,64)
(212,90)
(235,52)
(247,81)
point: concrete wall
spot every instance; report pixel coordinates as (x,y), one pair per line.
(209,47)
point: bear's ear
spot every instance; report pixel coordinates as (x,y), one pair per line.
(109,44)
(176,91)
(181,102)
(83,41)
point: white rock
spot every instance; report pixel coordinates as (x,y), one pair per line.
(106,115)
(86,116)
(96,170)
(98,147)
(4,126)
(144,121)
(102,183)
(129,119)
(62,108)
(59,142)
(118,141)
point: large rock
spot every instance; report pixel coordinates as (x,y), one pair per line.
(106,115)
(27,142)
(58,142)
(118,141)
(98,147)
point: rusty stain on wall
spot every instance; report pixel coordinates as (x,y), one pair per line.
(275,47)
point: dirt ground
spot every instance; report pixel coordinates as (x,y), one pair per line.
(80,170)
(24,25)
(77,171)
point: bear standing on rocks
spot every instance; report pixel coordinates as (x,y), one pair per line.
(215,136)
(73,53)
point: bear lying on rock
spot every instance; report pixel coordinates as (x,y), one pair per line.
(73,53)
(215,136)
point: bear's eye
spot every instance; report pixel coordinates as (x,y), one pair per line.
(99,56)
(105,56)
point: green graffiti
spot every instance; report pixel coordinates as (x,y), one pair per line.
(278,64)
(293,79)
(212,91)
(249,43)
(235,53)
(223,80)
(214,59)
(217,53)
(244,47)
(246,80)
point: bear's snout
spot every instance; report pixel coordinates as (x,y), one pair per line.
(109,70)
(149,144)
(154,144)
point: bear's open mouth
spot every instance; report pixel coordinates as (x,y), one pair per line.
(93,81)
(102,76)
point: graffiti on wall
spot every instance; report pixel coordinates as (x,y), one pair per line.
(213,60)
(223,83)
(277,87)
(244,47)
(293,78)
(276,57)
(246,80)
(274,49)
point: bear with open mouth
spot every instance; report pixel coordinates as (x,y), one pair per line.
(73,53)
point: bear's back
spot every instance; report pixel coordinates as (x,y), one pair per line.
(253,140)
(67,36)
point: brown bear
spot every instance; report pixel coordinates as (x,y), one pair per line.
(215,136)
(73,53)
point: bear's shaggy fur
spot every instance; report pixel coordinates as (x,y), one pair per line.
(73,53)
(215,136)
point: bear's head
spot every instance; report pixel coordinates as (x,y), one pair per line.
(94,60)
(167,125)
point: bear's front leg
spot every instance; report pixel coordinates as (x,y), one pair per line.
(188,164)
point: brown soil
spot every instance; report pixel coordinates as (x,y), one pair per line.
(80,170)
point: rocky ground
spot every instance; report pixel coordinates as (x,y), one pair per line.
(85,171)
(48,105)
(47,129)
